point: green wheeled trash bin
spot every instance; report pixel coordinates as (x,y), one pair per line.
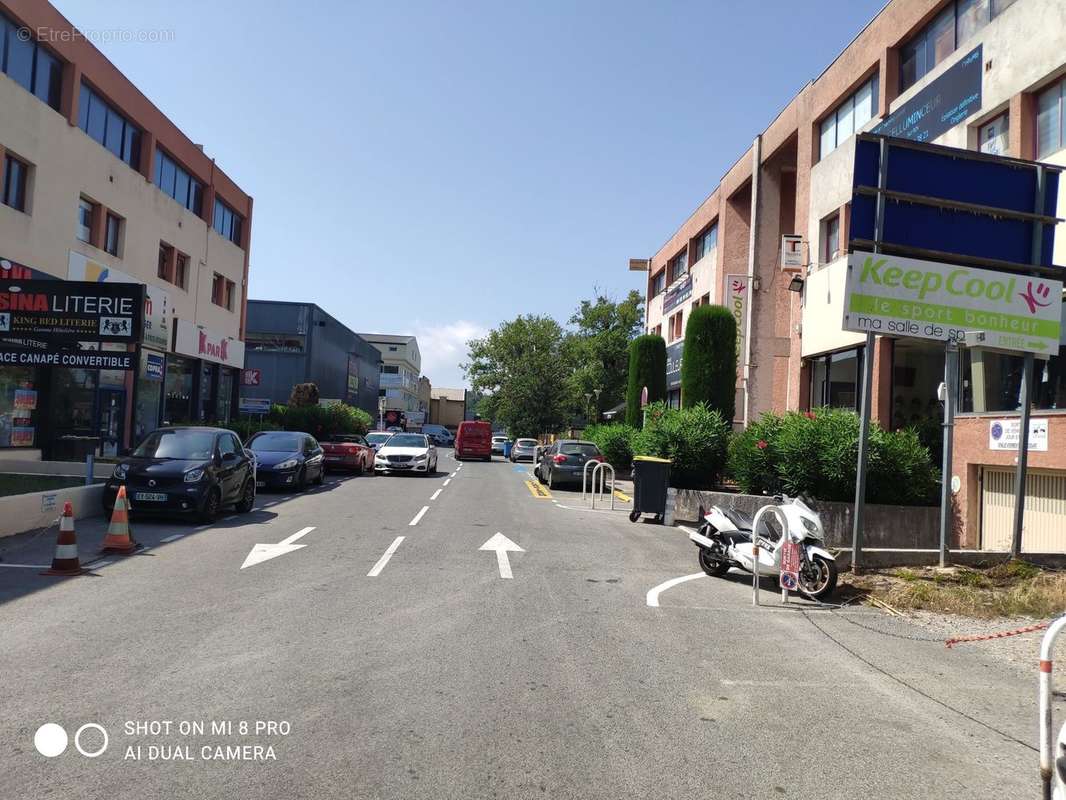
(651,478)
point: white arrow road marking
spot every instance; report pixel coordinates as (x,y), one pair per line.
(265,552)
(376,570)
(653,594)
(502,545)
(418,516)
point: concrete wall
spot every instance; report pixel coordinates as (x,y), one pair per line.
(910,527)
(26,512)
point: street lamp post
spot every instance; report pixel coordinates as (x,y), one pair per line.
(588,406)
(597,393)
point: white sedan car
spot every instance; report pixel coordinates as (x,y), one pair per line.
(407,452)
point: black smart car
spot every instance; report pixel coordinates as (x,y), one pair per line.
(187,471)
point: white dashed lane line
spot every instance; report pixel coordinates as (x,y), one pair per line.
(419,516)
(378,567)
(447,482)
(436,494)
(173,538)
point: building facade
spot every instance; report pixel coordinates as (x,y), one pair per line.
(98,185)
(289,343)
(401,367)
(987,75)
(447,407)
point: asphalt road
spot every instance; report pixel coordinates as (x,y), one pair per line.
(438,678)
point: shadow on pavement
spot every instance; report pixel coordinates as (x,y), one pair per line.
(23,557)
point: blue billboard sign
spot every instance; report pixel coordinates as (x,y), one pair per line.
(941,105)
(153,367)
(944,203)
(678,294)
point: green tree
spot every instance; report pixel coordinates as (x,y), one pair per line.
(709,368)
(647,367)
(598,349)
(522,366)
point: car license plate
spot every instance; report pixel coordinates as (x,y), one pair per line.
(333,458)
(152,497)
(260,484)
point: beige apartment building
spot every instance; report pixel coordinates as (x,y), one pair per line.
(1000,65)
(401,367)
(99,185)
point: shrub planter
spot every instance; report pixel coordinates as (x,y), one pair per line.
(895,527)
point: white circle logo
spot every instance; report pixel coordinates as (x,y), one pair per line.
(77,739)
(50,740)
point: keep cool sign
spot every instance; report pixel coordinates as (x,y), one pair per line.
(907,297)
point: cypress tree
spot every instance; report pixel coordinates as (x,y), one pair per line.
(647,367)
(709,366)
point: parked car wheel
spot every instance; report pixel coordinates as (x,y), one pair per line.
(212,503)
(247,501)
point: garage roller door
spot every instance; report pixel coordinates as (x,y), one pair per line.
(1044,528)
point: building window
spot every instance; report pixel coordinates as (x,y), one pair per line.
(112,229)
(278,342)
(178,184)
(959,21)
(658,283)
(108,127)
(675,330)
(707,241)
(677,266)
(181,271)
(658,331)
(223,292)
(993,137)
(227,222)
(1051,120)
(165,254)
(14,183)
(84,228)
(29,64)
(848,117)
(835,379)
(830,237)
(993,381)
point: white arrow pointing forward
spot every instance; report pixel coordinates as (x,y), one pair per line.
(502,545)
(265,552)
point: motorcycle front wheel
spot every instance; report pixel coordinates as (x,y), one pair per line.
(712,566)
(819,579)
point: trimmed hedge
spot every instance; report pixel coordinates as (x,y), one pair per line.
(647,367)
(816,453)
(709,368)
(322,422)
(615,442)
(694,439)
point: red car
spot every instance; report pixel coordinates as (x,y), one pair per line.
(349,453)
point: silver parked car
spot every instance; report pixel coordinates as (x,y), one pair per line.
(524,450)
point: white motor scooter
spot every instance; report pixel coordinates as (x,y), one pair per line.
(725,539)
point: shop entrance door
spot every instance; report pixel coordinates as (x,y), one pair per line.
(1045,508)
(112,420)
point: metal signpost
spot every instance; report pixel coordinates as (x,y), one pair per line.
(953,246)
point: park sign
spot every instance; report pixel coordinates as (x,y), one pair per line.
(907,297)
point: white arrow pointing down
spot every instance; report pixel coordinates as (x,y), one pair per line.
(265,552)
(502,545)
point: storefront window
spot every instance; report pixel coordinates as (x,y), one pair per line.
(18,406)
(917,372)
(207,386)
(149,395)
(178,390)
(835,379)
(225,394)
(993,381)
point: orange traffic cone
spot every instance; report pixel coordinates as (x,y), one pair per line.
(118,539)
(66,559)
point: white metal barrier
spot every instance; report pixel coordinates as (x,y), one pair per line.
(1048,774)
(600,470)
(585,476)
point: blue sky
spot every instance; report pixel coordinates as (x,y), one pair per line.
(436,168)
